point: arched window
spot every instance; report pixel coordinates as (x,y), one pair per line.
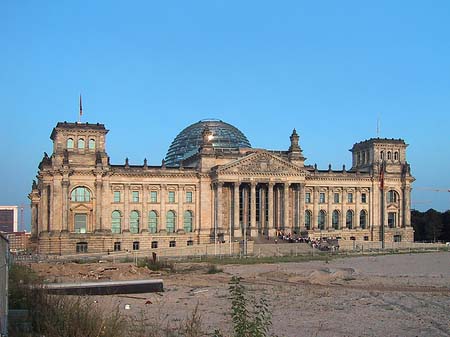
(170,222)
(335,219)
(308,219)
(392,196)
(91,144)
(363,219)
(396,155)
(187,221)
(363,158)
(349,219)
(81,194)
(81,143)
(116,222)
(134,222)
(70,143)
(358,161)
(321,219)
(382,155)
(152,222)
(389,155)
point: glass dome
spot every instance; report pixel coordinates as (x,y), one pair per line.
(189,140)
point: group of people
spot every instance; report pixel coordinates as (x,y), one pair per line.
(321,243)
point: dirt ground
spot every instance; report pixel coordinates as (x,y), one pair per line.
(391,295)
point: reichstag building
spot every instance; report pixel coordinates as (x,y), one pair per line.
(212,187)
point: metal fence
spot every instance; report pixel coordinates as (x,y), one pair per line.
(4,267)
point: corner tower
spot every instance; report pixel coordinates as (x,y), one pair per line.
(79,144)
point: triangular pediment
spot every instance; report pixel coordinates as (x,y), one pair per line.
(261,163)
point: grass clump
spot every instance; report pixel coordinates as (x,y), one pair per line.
(56,316)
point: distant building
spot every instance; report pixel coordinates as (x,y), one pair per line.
(18,241)
(9,216)
(212,186)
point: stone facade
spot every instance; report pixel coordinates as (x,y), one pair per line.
(82,203)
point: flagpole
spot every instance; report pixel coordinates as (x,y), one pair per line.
(81,111)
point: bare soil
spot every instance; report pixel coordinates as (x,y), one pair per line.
(391,295)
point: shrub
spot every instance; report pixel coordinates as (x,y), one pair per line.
(156,265)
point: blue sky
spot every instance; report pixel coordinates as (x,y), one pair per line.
(147,69)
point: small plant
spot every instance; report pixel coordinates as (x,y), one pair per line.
(213,269)
(156,265)
(247,323)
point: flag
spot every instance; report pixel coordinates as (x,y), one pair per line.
(81,107)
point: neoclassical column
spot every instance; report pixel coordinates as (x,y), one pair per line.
(329,223)
(357,208)
(180,208)
(343,212)
(162,212)
(46,191)
(253,208)
(407,206)
(286,224)
(219,206)
(270,205)
(98,205)
(126,211)
(65,204)
(262,228)
(301,211)
(34,220)
(236,227)
(144,217)
(315,219)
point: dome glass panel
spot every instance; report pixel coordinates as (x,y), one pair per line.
(188,141)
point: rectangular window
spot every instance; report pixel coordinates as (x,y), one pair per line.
(321,197)
(392,219)
(116,196)
(350,197)
(307,197)
(336,198)
(135,196)
(82,247)
(363,198)
(153,196)
(117,246)
(80,223)
(136,245)
(171,197)
(172,243)
(154,244)
(190,243)
(189,196)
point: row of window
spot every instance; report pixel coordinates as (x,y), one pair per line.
(82,194)
(82,247)
(349,219)
(336,198)
(135,196)
(389,155)
(335,219)
(153,222)
(81,144)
